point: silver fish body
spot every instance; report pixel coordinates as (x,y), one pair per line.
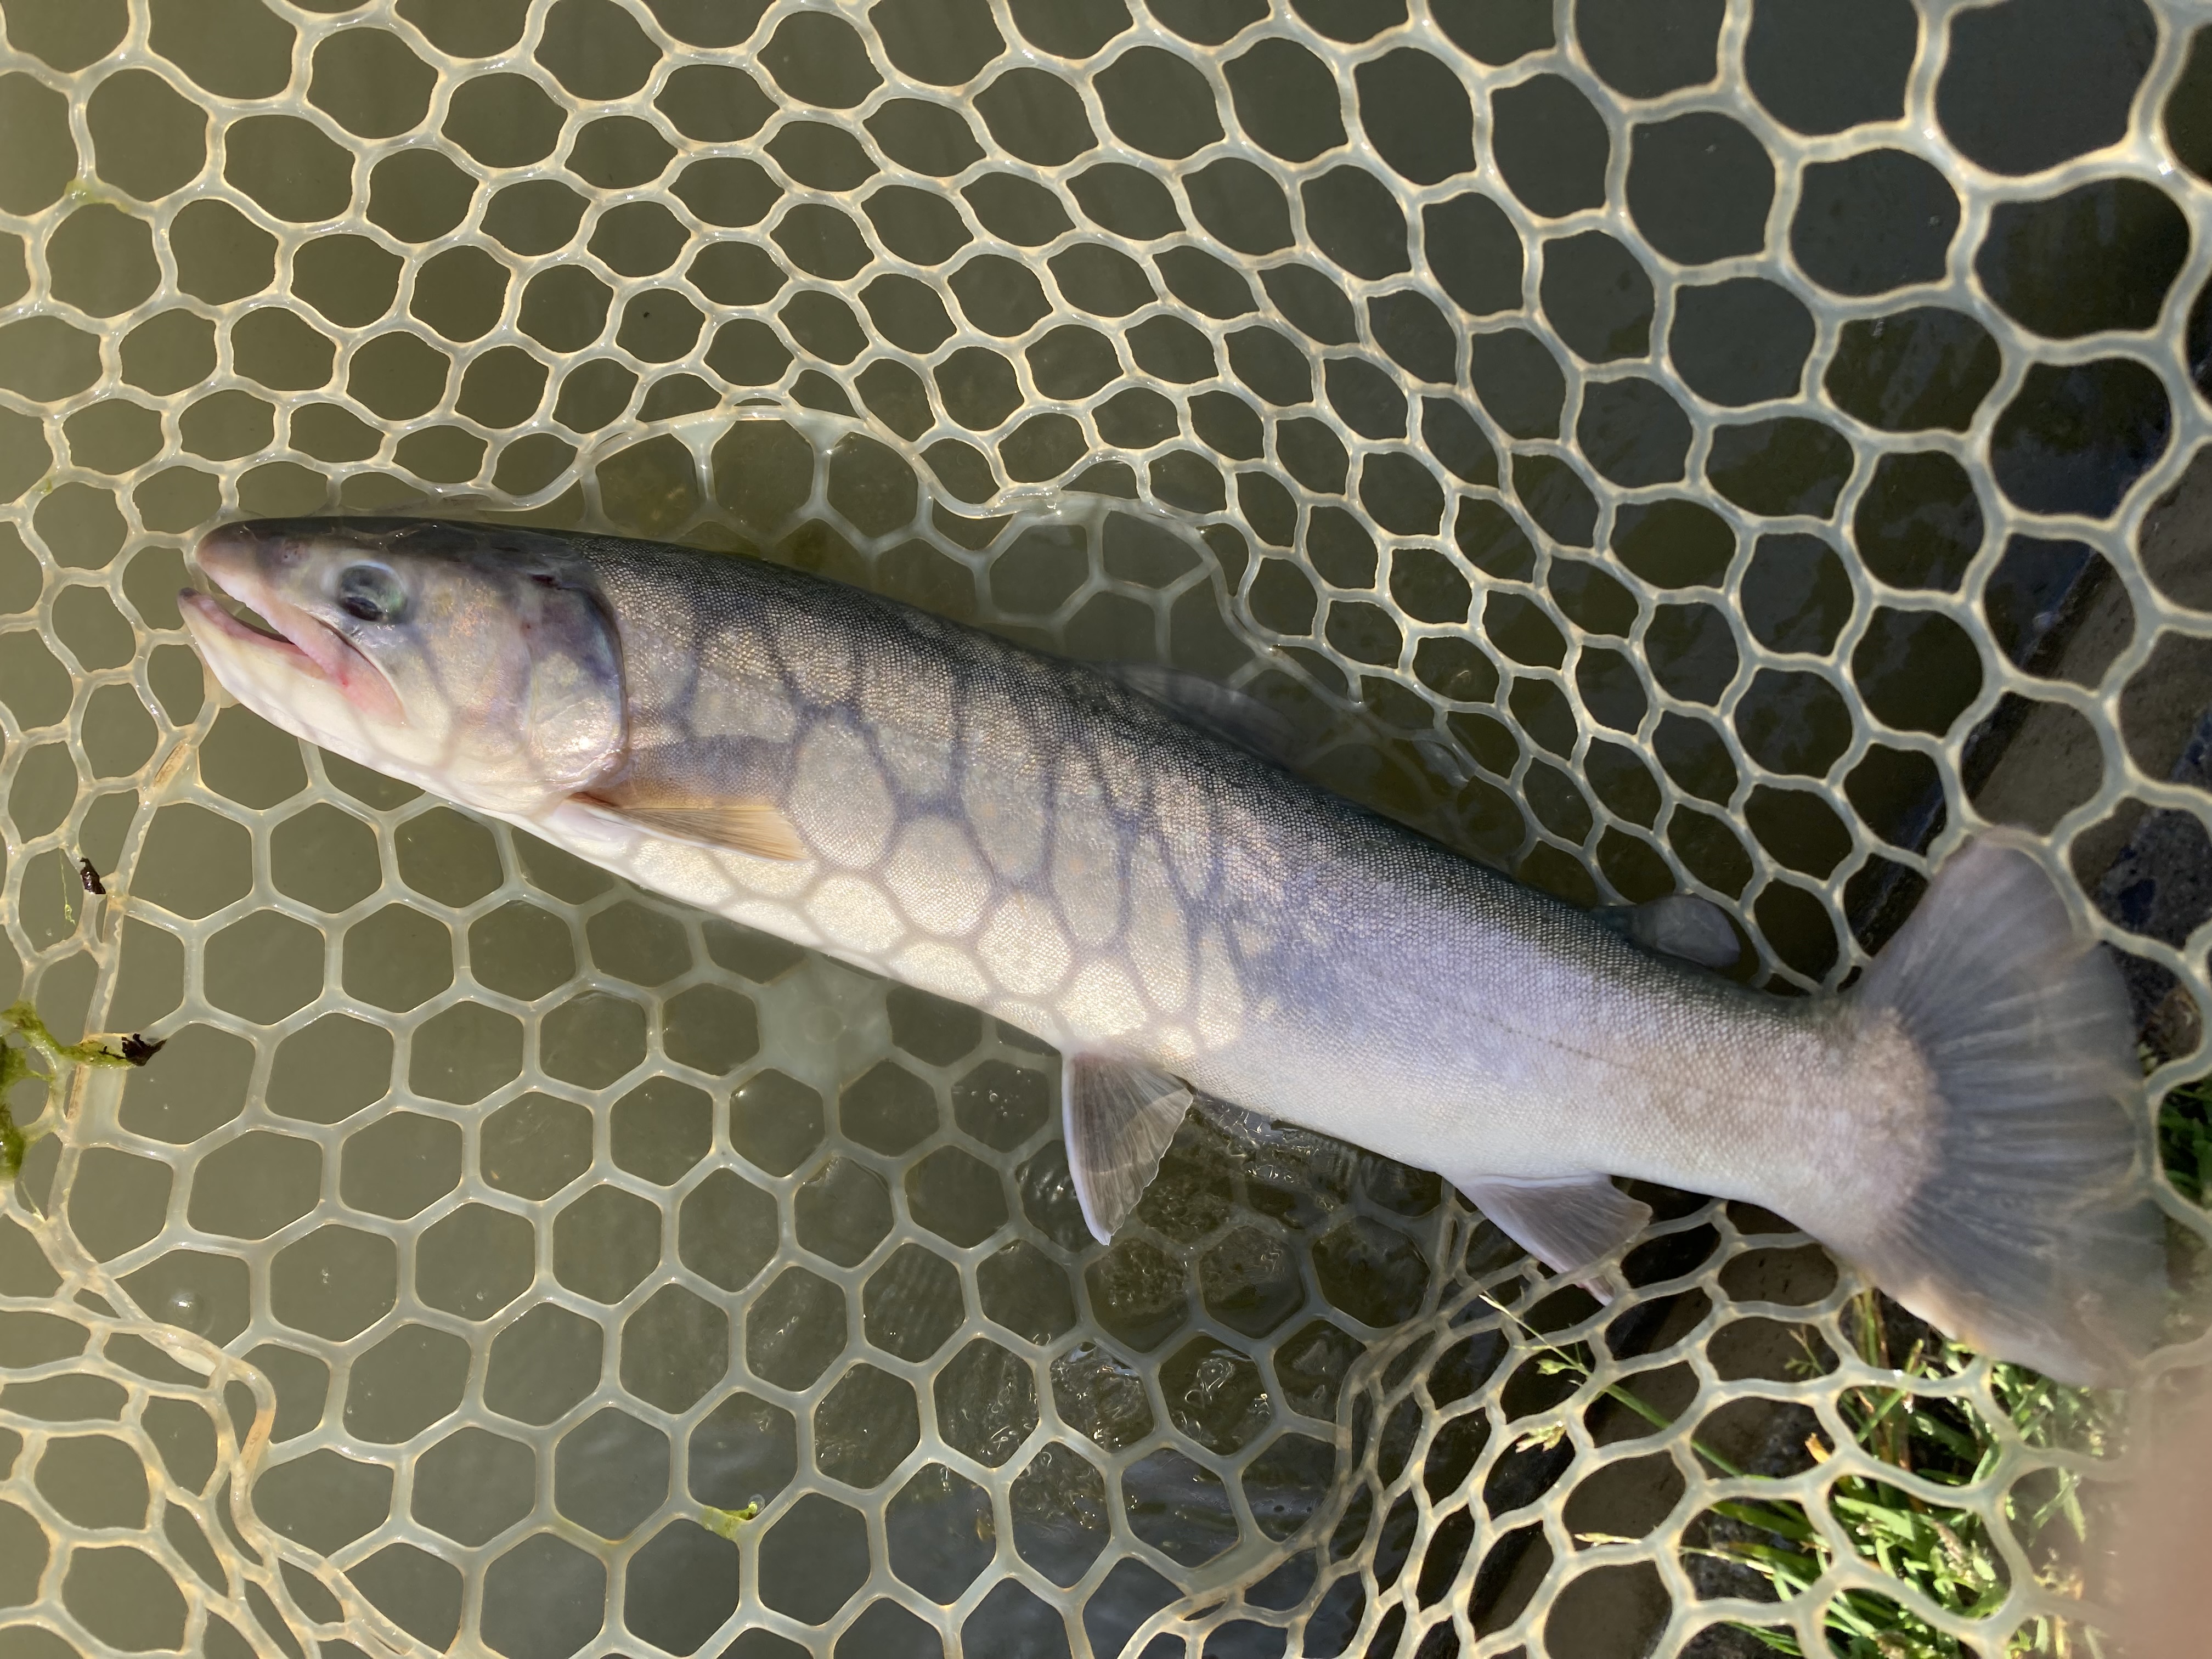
(1029,835)
(1024,834)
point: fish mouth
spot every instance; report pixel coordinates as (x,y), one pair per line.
(295,642)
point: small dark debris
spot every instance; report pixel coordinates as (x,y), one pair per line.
(134,1047)
(90,877)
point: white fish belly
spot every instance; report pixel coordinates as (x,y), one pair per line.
(1405,1022)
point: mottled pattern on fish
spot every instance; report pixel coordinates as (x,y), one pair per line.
(1031,836)
(1027,835)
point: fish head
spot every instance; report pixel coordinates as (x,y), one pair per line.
(477,661)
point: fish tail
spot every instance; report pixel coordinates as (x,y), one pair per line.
(2031,1233)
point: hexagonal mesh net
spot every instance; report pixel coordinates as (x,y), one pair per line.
(1653,444)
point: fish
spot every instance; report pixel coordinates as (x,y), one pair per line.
(1120,864)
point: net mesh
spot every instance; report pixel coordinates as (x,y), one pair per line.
(1656,446)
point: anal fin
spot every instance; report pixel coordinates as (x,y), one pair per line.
(1119,1118)
(1566,1223)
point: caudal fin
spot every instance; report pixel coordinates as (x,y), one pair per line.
(2033,1237)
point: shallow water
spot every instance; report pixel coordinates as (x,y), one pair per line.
(1654,447)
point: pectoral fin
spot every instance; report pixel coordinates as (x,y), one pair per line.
(1566,1224)
(752,827)
(1680,925)
(1119,1119)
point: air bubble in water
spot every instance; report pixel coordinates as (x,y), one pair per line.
(186,1307)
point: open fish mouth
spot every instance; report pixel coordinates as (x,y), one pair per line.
(297,642)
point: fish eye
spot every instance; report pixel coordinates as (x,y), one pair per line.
(370,593)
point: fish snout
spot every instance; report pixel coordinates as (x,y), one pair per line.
(230,558)
(253,564)
(247,556)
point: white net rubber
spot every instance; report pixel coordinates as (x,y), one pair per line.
(1655,445)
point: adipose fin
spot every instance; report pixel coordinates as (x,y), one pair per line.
(1681,925)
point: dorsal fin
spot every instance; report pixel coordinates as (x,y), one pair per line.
(1118,1118)
(1680,925)
(1244,720)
